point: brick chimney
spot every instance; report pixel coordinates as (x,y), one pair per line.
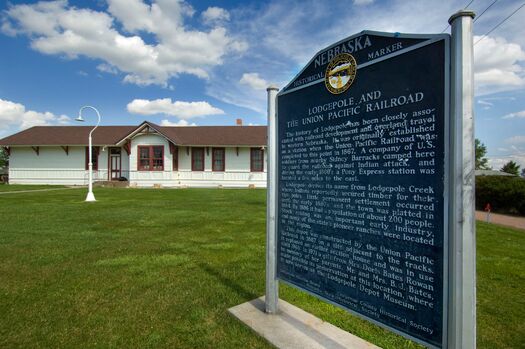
(238,122)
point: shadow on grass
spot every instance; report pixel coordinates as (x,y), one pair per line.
(237,288)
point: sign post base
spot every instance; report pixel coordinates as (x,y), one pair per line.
(293,328)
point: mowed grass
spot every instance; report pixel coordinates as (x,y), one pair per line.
(501,286)
(159,268)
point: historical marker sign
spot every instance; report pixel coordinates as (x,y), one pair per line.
(362,180)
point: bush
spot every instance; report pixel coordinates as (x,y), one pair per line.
(505,194)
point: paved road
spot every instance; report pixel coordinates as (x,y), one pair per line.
(509,221)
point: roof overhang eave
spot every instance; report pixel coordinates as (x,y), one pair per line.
(57,145)
(222,145)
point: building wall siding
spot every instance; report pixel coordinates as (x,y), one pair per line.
(237,172)
(53,166)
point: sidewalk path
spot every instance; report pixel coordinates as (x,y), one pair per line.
(36,190)
(509,221)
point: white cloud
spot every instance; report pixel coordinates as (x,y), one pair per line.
(500,98)
(106,68)
(363,2)
(498,162)
(515,140)
(182,110)
(254,81)
(486,105)
(162,16)
(518,115)
(498,65)
(179,123)
(15,115)
(215,16)
(56,28)
(488,102)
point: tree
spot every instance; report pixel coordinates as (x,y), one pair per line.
(511,167)
(4,158)
(481,152)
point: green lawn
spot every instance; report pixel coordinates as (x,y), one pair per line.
(159,269)
(501,286)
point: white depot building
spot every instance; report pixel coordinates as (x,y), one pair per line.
(144,155)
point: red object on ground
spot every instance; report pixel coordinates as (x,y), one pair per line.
(488,208)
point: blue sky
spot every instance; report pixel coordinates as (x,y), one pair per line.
(209,62)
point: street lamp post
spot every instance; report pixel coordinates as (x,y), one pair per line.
(90,196)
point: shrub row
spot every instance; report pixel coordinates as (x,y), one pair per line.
(505,194)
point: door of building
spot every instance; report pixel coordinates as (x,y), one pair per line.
(115,164)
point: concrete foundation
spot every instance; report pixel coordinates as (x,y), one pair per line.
(293,328)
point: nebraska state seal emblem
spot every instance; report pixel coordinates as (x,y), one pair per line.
(340,73)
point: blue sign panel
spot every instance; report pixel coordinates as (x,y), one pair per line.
(362,179)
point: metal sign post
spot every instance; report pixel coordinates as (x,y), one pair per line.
(462,305)
(272,285)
